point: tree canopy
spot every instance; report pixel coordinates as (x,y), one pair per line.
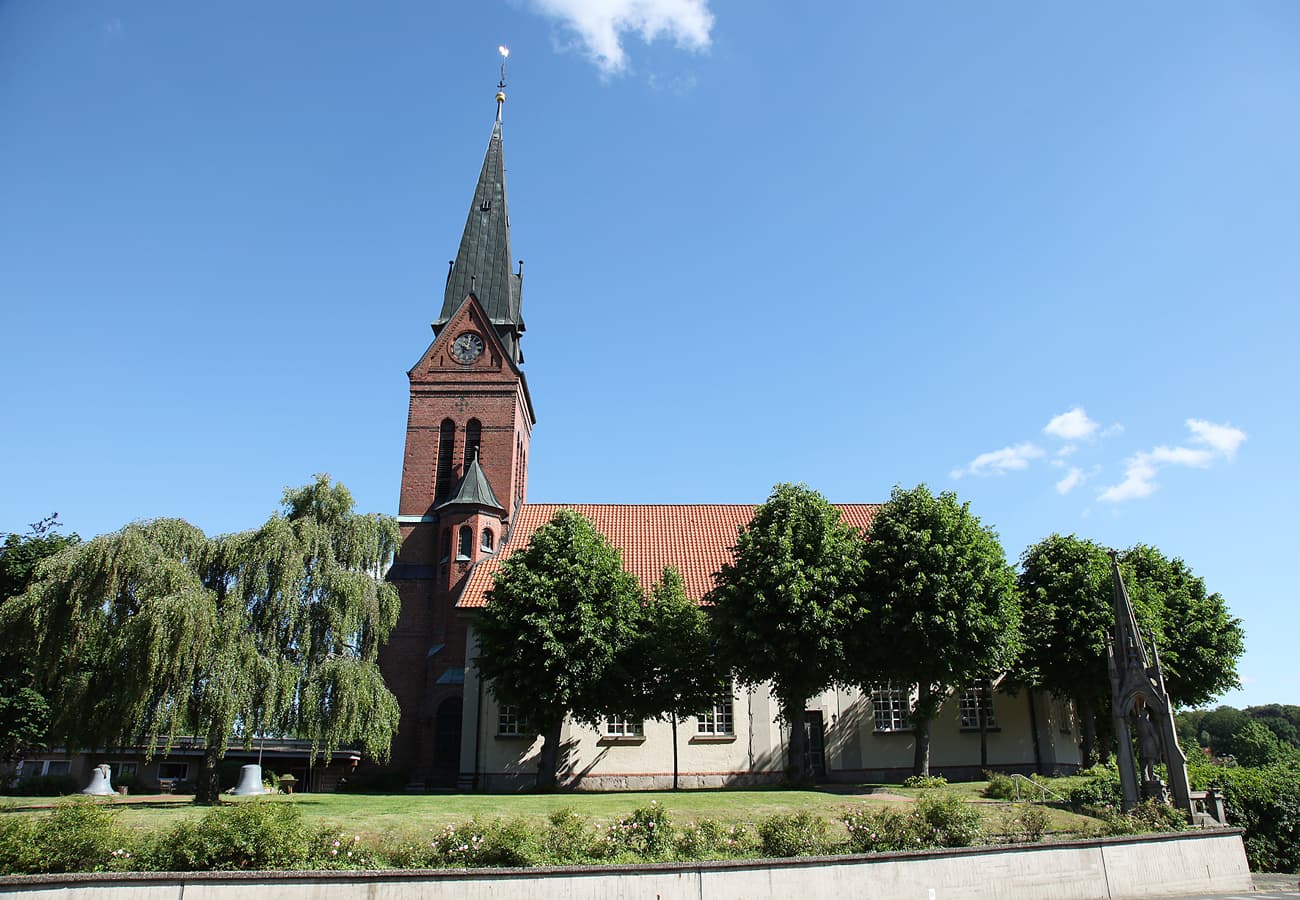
(1067,596)
(783,605)
(157,630)
(560,615)
(24,711)
(940,605)
(1199,641)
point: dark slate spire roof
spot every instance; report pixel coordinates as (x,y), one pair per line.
(473,490)
(483,262)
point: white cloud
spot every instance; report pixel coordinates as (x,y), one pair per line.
(1071,426)
(1067,450)
(601,24)
(1141,469)
(1008,459)
(1223,438)
(1072,480)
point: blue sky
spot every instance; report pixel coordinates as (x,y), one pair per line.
(1045,255)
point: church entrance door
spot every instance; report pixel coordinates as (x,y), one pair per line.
(446,743)
(815,745)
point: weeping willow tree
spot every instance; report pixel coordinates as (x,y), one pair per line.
(157,630)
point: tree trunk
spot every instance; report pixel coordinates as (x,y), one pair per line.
(796,768)
(207,790)
(674,751)
(921,728)
(1088,727)
(548,761)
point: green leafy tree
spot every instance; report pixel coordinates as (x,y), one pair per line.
(1198,640)
(1256,745)
(157,630)
(783,605)
(1067,596)
(941,607)
(24,711)
(1219,728)
(673,661)
(561,614)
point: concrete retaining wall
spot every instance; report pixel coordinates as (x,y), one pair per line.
(1106,869)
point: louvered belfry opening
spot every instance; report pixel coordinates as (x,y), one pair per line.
(473,432)
(446,447)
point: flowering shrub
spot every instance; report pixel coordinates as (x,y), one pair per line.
(335,849)
(80,835)
(647,832)
(1000,787)
(1028,822)
(709,839)
(801,834)
(239,836)
(568,838)
(925,781)
(950,821)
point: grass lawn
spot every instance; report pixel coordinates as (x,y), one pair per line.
(403,815)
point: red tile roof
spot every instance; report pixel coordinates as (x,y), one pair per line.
(695,537)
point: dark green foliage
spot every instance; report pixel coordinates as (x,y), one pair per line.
(157,630)
(936,820)
(45,786)
(242,836)
(1199,641)
(1256,745)
(1266,802)
(24,711)
(940,604)
(1148,817)
(559,617)
(1066,589)
(782,606)
(672,664)
(1101,790)
(797,834)
(925,782)
(1000,786)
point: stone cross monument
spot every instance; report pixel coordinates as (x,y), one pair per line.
(1139,700)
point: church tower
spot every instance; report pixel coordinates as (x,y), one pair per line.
(464,475)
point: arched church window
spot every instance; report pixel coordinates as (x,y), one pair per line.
(486,545)
(446,446)
(466,549)
(473,432)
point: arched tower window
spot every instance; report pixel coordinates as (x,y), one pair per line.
(446,545)
(446,447)
(473,432)
(466,548)
(486,544)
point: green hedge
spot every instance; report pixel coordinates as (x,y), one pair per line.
(1266,802)
(83,835)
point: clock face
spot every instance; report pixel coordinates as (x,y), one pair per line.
(467,347)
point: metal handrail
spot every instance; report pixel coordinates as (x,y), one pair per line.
(1018,778)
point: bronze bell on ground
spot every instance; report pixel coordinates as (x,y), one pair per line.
(101,783)
(250,781)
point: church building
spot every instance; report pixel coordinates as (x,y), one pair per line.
(463,510)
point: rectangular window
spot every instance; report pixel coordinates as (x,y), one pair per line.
(1064,706)
(511,723)
(717,719)
(616,726)
(57,767)
(972,702)
(173,771)
(125,768)
(889,706)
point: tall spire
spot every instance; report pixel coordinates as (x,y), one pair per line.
(483,262)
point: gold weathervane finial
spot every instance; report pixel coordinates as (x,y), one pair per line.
(501,86)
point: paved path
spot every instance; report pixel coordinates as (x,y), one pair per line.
(1267,887)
